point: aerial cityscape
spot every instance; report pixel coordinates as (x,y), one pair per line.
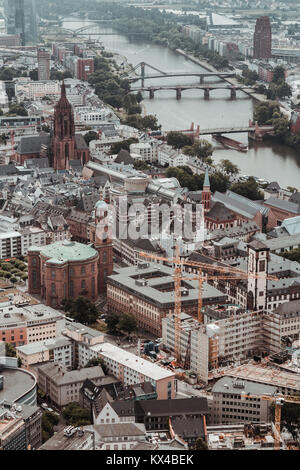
(150,227)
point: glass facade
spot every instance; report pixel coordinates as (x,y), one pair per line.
(20,18)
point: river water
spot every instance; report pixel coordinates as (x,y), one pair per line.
(273,162)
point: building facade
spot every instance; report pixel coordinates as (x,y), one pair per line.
(262,39)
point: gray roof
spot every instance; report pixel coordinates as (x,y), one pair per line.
(17,383)
(180,406)
(33,144)
(80,142)
(239,204)
(219,212)
(117,430)
(126,279)
(283,242)
(283,205)
(62,377)
(226,385)
(288,307)
(124,157)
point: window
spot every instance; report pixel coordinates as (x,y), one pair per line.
(83,285)
(82,270)
(262,265)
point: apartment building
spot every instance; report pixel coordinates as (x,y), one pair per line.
(83,338)
(29,324)
(58,350)
(131,369)
(231,404)
(20,426)
(10,245)
(144,151)
(62,386)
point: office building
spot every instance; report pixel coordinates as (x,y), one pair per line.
(231,405)
(43,64)
(262,39)
(20,17)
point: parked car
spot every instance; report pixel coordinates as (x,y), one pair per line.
(44,406)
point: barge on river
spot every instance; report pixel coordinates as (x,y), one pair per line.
(230,143)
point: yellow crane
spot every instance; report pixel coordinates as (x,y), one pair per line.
(226,272)
(279,401)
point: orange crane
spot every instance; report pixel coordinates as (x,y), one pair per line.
(279,401)
(236,274)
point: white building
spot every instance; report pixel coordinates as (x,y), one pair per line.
(144,151)
(131,369)
(4,105)
(27,89)
(194,343)
(57,349)
(10,245)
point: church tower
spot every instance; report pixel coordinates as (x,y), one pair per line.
(258,261)
(103,243)
(63,143)
(206,194)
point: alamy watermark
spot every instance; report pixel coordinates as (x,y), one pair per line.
(136,221)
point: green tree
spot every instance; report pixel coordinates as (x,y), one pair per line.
(10,351)
(141,165)
(229,168)
(17,109)
(112,321)
(200,444)
(34,75)
(127,323)
(178,140)
(91,135)
(201,149)
(81,309)
(123,145)
(150,122)
(249,189)
(278,74)
(75,415)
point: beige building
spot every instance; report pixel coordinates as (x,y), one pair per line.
(232,406)
(131,369)
(57,350)
(62,387)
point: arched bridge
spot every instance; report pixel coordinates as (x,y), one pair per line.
(180,88)
(141,67)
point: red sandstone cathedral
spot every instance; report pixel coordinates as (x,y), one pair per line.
(62,146)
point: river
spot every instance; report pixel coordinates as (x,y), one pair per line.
(273,162)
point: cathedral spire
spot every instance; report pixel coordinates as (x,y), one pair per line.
(63,89)
(206,180)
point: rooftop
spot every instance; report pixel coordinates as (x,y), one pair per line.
(17,383)
(230,385)
(147,282)
(66,251)
(146,368)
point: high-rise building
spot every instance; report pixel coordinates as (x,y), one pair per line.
(20,18)
(43,64)
(262,39)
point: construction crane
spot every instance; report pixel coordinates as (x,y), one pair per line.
(225,271)
(279,401)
